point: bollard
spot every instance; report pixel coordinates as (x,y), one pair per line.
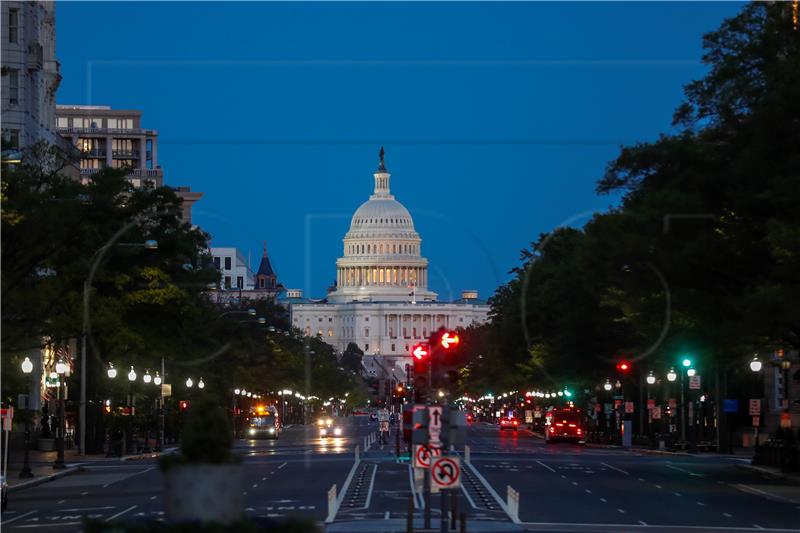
(357,455)
(466,455)
(331,503)
(463,517)
(512,503)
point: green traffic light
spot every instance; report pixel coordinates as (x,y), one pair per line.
(567,393)
(687,363)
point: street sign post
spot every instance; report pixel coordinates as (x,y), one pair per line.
(423,455)
(694,382)
(755,407)
(628,407)
(446,472)
(434,424)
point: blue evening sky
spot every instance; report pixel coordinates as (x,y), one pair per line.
(497,118)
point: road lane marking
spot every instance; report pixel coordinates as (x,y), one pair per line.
(658,486)
(153,497)
(701,504)
(255,485)
(264,478)
(757,526)
(641,479)
(371,485)
(748,488)
(603,500)
(48,525)
(86,509)
(643,522)
(84,493)
(563,476)
(621,511)
(60,501)
(281,466)
(6,522)
(626,527)
(615,468)
(588,491)
(677,493)
(110,518)
(684,471)
(727,515)
(544,465)
(488,486)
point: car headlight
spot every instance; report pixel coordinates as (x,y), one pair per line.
(329,421)
(323,431)
(252,431)
(320,422)
(337,431)
(272,431)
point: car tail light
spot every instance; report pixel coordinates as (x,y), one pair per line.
(559,424)
(579,431)
(516,423)
(572,425)
(552,430)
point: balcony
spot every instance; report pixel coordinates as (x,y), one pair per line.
(104,132)
(133,173)
(125,154)
(96,152)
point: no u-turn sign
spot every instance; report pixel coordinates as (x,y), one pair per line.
(446,472)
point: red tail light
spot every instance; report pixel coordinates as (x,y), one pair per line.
(516,423)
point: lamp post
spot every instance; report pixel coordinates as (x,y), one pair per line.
(131,404)
(27,368)
(651,380)
(61,370)
(96,258)
(755,367)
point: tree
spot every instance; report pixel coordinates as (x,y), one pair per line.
(352,357)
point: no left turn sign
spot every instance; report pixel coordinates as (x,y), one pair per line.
(446,472)
(422,455)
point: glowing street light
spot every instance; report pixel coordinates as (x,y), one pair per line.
(147,377)
(132,375)
(157,379)
(755,364)
(691,372)
(651,379)
(112,372)
(201,384)
(189,383)
(671,375)
(607,385)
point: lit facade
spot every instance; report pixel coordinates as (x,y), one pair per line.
(381,300)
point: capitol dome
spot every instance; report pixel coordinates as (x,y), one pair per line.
(382,260)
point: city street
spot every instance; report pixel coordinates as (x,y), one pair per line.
(562,487)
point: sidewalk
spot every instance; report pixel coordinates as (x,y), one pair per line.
(772,472)
(41,464)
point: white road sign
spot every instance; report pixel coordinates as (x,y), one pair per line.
(434,424)
(694,382)
(424,454)
(446,472)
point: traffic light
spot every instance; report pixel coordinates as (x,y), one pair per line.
(184,405)
(623,366)
(686,362)
(445,358)
(400,391)
(421,357)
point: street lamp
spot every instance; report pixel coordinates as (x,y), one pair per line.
(651,379)
(755,364)
(672,375)
(132,375)
(61,370)
(147,377)
(112,372)
(96,258)
(189,383)
(607,385)
(691,372)
(27,368)
(686,362)
(201,384)
(157,379)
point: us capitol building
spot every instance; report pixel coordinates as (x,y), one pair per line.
(381,300)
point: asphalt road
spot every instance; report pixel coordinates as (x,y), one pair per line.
(285,477)
(562,487)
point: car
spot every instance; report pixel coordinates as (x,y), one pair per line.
(263,426)
(470,418)
(329,427)
(509,422)
(565,425)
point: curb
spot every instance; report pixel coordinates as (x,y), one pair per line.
(44,479)
(790,478)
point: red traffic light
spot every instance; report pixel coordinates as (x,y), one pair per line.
(420,351)
(184,405)
(448,340)
(623,366)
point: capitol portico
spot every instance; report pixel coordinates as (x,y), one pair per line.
(381,300)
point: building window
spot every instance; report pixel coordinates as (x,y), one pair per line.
(13,139)
(62,122)
(227,263)
(392,347)
(240,282)
(260,283)
(366,332)
(366,347)
(330,320)
(13,87)
(330,332)
(216,263)
(227,282)
(366,319)
(13,25)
